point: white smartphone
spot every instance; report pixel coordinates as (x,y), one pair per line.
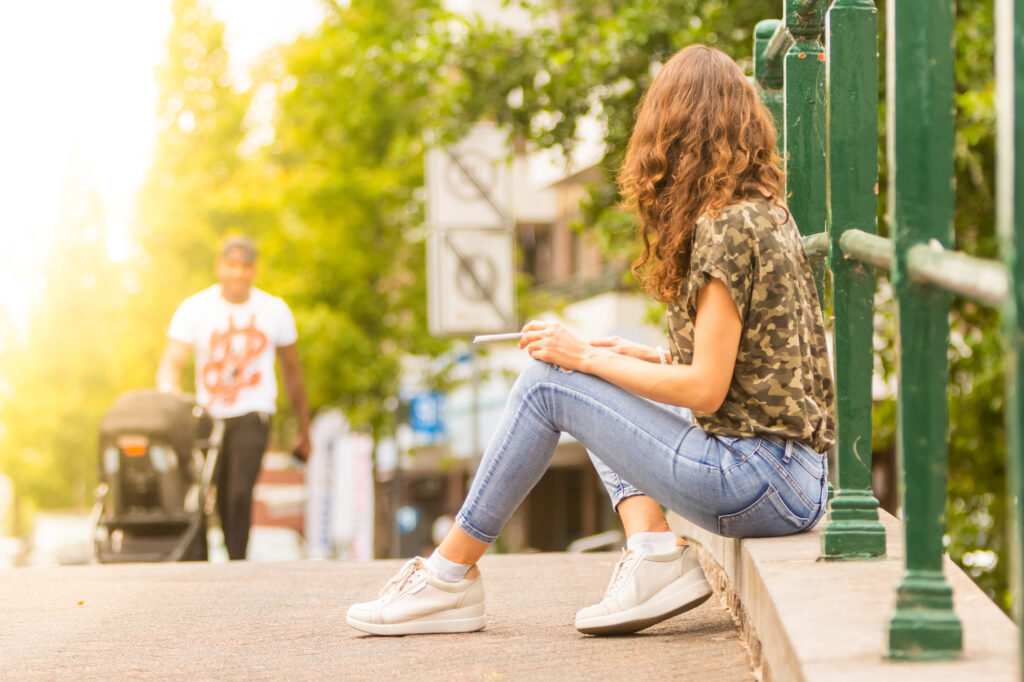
(488,338)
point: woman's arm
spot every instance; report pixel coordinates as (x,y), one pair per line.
(701,385)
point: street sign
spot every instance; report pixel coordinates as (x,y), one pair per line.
(471,282)
(469,184)
(426,415)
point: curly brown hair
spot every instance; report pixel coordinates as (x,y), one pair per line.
(702,140)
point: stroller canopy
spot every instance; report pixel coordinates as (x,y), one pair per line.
(174,419)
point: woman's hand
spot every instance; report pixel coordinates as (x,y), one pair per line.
(621,346)
(553,343)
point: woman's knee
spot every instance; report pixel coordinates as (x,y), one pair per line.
(533,373)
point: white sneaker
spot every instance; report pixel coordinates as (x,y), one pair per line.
(416,603)
(646,589)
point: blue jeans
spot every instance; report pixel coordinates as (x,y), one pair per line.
(736,487)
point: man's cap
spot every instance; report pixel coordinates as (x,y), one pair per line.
(240,246)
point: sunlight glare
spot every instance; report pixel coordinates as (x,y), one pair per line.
(81,105)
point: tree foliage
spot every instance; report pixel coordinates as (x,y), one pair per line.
(190,197)
(341,181)
(977,511)
(62,374)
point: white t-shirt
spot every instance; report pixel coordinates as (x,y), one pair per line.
(235,345)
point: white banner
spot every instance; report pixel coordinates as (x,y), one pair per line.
(339,483)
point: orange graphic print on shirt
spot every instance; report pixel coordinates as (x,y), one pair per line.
(232,363)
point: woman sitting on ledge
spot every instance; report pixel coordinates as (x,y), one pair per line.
(748,364)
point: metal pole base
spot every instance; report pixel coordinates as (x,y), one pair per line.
(924,627)
(854,531)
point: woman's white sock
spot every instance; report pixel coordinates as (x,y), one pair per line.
(650,543)
(445,570)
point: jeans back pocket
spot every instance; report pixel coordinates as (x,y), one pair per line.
(768,516)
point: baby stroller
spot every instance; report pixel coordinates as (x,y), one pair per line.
(157,457)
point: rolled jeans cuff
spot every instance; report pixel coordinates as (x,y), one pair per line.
(463,523)
(618,488)
(623,493)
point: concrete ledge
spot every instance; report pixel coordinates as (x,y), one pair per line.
(810,620)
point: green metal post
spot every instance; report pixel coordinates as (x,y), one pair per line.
(1010,225)
(851,76)
(768,74)
(804,78)
(920,98)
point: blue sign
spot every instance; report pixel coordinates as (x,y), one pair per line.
(406,519)
(426,414)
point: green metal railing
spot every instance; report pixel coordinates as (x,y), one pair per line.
(825,102)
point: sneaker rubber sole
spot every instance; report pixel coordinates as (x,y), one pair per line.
(466,619)
(677,597)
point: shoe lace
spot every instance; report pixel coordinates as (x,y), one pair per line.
(409,573)
(627,559)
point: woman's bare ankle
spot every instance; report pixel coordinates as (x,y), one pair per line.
(641,514)
(460,548)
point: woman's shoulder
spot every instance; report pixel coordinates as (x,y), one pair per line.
(752,212)
(741,220)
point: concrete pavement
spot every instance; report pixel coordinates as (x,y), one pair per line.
(286,621)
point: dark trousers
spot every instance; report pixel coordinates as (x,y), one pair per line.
(245,440)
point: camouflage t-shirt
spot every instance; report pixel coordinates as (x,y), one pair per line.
(782,382)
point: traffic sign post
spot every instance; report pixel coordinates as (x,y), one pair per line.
(471,282)
(470,268)
(469,184)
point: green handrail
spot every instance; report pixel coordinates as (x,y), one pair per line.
(854,530)
(778,44)
(979,279)
(925,272)
(919,94)
(816,245)
(800,13)
(810,6)
(803,122)
(867,248)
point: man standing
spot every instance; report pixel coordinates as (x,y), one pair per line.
(235,331)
